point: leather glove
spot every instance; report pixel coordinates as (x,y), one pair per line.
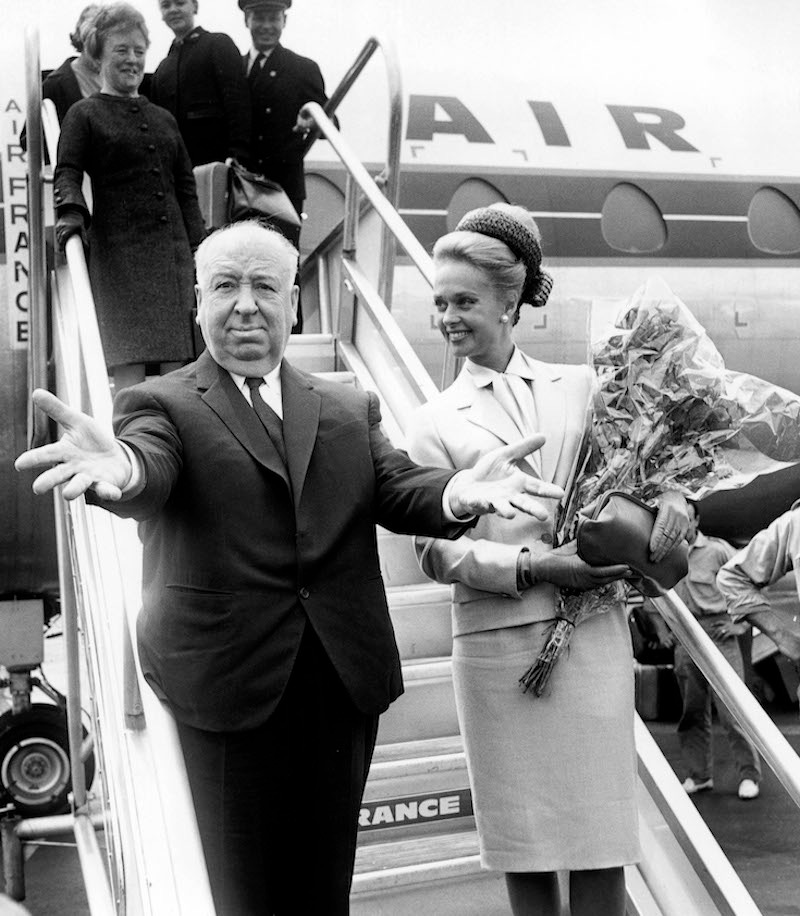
(67,225)
(564,568)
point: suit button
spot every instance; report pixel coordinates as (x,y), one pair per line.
(268,111)
(159,194)
(155,171)
(546,538)
(134,108)
(143,127)
(273,73)
(152,147)
(304,592)
(162,219)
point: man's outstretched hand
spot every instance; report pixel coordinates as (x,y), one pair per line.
(86,456)
(496,484)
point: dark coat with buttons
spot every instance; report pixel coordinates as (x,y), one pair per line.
(144,225)
(241,551)
(278,91)
(201,83)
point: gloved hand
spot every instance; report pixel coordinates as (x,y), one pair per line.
(67,225)
(564,568)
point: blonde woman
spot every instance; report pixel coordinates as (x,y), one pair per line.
(553,778)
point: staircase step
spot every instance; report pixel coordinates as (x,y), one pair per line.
(427,709)
(416,788)
(346,378)
(312,352)
(438,875)
(421,619)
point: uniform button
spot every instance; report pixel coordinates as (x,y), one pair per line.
(268,110)
(546,538)
(134,108)
(261,136)
(159,194)
(273,73)
(162,219)
(304,593)
(144,127)
(155,171)
(151,147)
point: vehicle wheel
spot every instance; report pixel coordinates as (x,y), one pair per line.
(35,771)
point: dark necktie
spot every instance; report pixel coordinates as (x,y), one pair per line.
(258,63)
(269,419)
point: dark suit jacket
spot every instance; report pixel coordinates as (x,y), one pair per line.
(239,553)
(201,83)
(60,85)
(283,85)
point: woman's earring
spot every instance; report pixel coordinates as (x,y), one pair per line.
(504,319)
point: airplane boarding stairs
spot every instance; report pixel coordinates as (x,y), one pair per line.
(418,849)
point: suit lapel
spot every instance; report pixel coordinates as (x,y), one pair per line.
(271,65)
(301,410)
(551,410)
(225,399)
(482,409)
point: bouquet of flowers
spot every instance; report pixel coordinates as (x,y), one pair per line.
(665,415)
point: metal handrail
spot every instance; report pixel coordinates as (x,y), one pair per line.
(390,177)
(774,748)
(172,784)
(367,186)
(37,267)
(170,862)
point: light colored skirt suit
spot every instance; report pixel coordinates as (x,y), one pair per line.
(553,778)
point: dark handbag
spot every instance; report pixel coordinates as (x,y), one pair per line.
(252,196)
(619,532)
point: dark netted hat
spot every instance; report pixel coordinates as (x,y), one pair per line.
(498,224)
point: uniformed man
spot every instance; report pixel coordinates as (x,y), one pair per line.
(281,82)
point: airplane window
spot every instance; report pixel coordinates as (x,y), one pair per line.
(471,194)
(773,222)
(631,221)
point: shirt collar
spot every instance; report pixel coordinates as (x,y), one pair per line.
(482,376)
(254,54)
(272,379)
(189,36)
(700,541)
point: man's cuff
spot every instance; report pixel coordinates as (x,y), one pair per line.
(135,484)
(447,511)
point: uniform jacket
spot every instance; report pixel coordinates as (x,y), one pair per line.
(145,222)
(201,83)
(454,430)
(239,552)
(61,86)
(279,90)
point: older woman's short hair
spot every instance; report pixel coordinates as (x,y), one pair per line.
(83,26)
(114,16)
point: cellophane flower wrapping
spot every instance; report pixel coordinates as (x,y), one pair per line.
(665,415)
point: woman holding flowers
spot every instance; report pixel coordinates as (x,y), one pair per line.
(553,777)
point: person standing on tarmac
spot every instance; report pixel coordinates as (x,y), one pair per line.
(701,595)
(201,83)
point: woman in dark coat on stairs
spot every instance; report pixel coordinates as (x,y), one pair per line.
(145,221)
